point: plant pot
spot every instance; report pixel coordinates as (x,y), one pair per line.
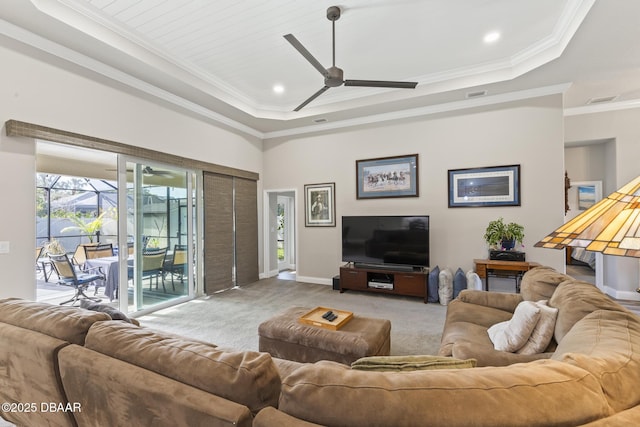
(508,245)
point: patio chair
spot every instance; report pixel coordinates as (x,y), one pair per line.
(100,250)
(153,261)
(70,275)
(79,256)
(176,264)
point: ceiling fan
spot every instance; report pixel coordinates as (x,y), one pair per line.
(333,76)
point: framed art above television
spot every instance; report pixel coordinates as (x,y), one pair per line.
(387,177)
(481,187)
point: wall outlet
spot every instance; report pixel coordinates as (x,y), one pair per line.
(4,247)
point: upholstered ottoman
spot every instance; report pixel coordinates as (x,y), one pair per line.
(283,336)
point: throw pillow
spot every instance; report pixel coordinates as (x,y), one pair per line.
(474,281)
(410,363)
(104,308)
(432,291)
(543,332)
(512,334)
(459,282)
(445,286)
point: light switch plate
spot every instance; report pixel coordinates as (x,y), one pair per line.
(4,247)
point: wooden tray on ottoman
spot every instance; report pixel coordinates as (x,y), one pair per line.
(314,318)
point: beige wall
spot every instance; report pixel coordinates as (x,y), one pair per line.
(529,133)
(33,91)
(621,276)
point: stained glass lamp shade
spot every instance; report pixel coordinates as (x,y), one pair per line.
(611,226)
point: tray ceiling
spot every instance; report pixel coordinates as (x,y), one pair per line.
(222,58)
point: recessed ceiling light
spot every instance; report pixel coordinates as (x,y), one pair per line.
(278,89)
(491,37)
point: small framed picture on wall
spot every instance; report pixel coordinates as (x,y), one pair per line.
(320,205)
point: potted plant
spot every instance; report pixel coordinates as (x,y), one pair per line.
(54,247)
(90,228)
(498,232)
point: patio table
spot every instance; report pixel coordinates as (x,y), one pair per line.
(110,269)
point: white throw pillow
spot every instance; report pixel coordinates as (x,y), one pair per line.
(445,287)
(474,281)
(543,332)
(512,334)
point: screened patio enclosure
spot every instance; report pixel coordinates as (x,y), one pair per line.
(74,210)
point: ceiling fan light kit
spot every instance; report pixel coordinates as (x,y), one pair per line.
(334,76)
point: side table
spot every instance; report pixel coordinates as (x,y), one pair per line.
(497,268)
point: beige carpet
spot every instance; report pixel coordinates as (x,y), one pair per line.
(231,318)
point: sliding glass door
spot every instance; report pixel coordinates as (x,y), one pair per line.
(158,213)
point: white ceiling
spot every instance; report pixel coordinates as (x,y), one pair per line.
(220,59)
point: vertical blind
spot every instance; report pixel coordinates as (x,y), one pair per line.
(218,229)
(231,232)
(246,210)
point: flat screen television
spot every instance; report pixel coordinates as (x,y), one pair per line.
(400,241)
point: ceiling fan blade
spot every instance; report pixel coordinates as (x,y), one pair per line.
(311,98)
(296,44)
(381,83)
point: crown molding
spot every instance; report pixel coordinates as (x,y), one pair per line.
(76,58)
(425,111)
(602,108)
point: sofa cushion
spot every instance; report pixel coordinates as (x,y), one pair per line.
(473,281)
(65,323)
(245,377)
(574,300)
(512,334)
(410,363)
(434,284)
(445,286)
(111,392)
(497,300)
(29,374)
(607,344)
(543,332)
(332,394)
(540,283)
(459,282)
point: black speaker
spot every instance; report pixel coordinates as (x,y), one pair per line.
(506,255)
(336,283)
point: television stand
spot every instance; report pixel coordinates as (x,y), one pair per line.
(384,279)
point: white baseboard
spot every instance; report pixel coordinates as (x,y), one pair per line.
(622,295)
(268,274)
(316,280)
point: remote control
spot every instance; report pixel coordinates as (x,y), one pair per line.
(327,314)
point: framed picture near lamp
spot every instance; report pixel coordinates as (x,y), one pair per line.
(481,187)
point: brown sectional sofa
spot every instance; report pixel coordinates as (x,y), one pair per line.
(122,374)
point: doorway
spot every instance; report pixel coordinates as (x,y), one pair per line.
(280,234)
(591,168)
